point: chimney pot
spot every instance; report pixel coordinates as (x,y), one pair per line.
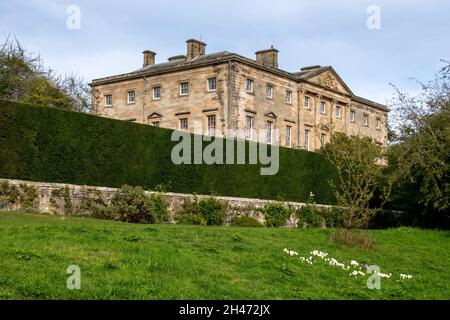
(149,58)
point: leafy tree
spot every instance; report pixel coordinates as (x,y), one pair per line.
(357,164)
(23,78)
(420,153)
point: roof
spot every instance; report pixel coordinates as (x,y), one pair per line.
(224,56)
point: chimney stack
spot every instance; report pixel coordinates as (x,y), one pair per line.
(195,48)
(268,57)
(149,58)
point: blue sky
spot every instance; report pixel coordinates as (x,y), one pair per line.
(412,39)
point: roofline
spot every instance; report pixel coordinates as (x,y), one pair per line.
(236,57)
(371,103)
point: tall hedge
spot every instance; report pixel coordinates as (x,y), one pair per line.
(46,144)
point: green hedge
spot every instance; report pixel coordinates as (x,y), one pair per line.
(46,144)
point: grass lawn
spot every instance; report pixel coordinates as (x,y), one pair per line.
(126,261)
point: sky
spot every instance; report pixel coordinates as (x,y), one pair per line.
(369,43)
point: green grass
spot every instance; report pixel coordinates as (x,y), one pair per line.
(126,261)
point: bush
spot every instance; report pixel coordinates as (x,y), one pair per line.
(245,222)
(208,211)
(310,216)
(352,238)
(335,217)
(276,214)
(129,204)
(212,210)
(158,206)
(191,219)
(51,145)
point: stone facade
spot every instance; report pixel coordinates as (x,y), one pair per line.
(236,92)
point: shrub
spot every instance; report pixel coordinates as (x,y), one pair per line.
(129,204)
(310,216)
(191,219)
(158,206)
(352,238)
(335,217)
(207,211)
(212,210)
(47,144)
(245,222)
(276,214)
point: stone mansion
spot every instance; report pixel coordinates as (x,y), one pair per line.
(225,90)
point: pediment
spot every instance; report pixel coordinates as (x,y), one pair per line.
(331,80)
(154,115)
(271,115)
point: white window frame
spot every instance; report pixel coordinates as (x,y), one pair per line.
(250,83)
(306,102)
(249,124)
(269,91)
(378,127)
(338,112)
(324,105)
(181,124)
(366,120)
(106,96)
(269,132)
(352,115)
(129,93)
(181,88)
(307,138)
(288,136)
(211,124)
(209,82)
(288,97)
(154,89)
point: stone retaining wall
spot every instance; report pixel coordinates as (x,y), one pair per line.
(52,198)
